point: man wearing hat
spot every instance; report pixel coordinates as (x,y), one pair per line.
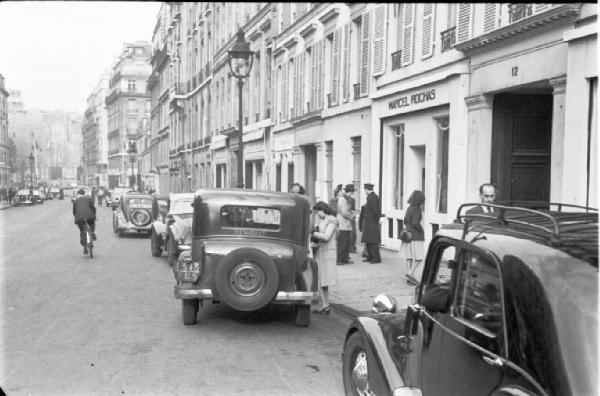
(371,235)
(84,211)
(345,217)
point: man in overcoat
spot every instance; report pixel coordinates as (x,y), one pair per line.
(371,236)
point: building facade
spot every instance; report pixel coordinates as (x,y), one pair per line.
(95,136)
(436,97)
(5,143)
(126,104)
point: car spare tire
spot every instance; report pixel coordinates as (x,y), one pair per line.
(246,279)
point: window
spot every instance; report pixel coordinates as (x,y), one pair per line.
(443,131)
(250,217)
(444,259)
(131,85)
(398,190)
(478,301)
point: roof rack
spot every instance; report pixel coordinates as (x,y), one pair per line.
(574,231)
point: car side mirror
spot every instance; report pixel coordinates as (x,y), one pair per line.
(436,299)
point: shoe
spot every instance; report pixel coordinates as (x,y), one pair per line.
(375,262)
(349,262)
(365,255)
(93,236)
(322,311)
(340,263)
(367,260)
(85,251)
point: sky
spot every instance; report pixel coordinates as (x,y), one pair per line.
(56,51)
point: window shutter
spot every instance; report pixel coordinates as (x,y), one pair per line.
(379,33)
(285,15)
(314,58)
(541,7)
(428,36)
(275,80)
(321,52)
(364,52)
(408,33)
(489,17)
(346,57)
(303,83)
(465,18)
(294,103)
(335,67)
(284,90)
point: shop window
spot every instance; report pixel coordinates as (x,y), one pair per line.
(443,131)
(398,186)
(131,85)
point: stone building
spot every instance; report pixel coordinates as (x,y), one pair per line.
(5,144)
(95,135)
(127,102)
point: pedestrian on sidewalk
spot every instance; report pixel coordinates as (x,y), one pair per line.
(353,233)
(345,217)
(336,194)
(412,251)
(371,235)
(323,242)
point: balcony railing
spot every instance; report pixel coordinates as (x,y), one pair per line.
(396,60)
(517,12)
(448,38)
(356,91)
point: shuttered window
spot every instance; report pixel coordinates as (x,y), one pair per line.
(314,59)
(427,39)
(408,33)
(490,17)
(335,67)
(379,36)
(465,20)
(365,37)
(301,100)
(294,103)
(284,91)
(321,52)
(346,63)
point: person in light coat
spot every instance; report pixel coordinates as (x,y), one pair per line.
(323,241)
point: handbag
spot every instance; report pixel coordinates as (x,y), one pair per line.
(405,236)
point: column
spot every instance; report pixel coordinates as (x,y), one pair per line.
(321,184)
(284,172)
(559,85)
(479,143)
(299,175)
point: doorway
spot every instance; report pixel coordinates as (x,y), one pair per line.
(310,161)
(521,145)
(417,177)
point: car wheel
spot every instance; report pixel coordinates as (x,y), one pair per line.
(302,314)
(246,279)
(355,368)
(189,309)
(155,244)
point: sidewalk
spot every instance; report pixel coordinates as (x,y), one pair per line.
(359,283)
(5,206)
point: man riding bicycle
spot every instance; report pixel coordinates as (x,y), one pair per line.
(84,211)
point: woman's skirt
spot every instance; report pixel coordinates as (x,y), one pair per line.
(413,250)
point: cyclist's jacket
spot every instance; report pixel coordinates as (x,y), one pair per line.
(84,209)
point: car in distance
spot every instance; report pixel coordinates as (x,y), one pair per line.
(507,305)
(249,249)
(135,213)
(175,229)
(116,194)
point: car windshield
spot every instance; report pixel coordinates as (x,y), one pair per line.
(140,203)
(181,206)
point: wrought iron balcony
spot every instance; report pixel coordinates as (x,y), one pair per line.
(519,11)
(448,38)
(396,60)
(356,91)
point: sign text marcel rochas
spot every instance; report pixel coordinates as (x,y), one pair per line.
(413,99)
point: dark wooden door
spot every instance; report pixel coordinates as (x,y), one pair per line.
(521,144)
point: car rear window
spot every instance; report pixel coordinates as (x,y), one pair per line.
(250,217)
(182,206)
(140,203)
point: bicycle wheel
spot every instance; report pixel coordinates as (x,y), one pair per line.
(89,242)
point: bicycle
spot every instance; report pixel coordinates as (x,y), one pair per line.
(88,238)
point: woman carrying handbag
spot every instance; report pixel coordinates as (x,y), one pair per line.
(323,241)
(412,247)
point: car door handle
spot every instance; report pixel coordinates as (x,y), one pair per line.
(492,362)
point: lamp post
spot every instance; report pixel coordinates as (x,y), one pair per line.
(240,63)
(31,168)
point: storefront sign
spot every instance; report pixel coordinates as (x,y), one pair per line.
(408,100)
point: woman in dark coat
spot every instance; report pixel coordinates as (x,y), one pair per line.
(412,252)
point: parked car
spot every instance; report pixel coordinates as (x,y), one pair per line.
(173,232)
(507,305)
(135,213)
(115,195)
(54,193)
(23,198)
(249,249)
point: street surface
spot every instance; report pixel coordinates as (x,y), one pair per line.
(110,325)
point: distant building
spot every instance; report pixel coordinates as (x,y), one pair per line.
(126,104)
(5,156)
(15,102)
(95,135)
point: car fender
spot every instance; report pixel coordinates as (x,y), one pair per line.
(387,349)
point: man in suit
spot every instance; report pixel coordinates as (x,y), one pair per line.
(345,217)
(487,195)
(371,235)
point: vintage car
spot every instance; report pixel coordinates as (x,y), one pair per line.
(249,249)
(175,229)
(54,193)
(135,213)
(115,195)
(507,305)
(23,197)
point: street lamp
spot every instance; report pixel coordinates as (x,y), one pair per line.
(240,63)
(31,164)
